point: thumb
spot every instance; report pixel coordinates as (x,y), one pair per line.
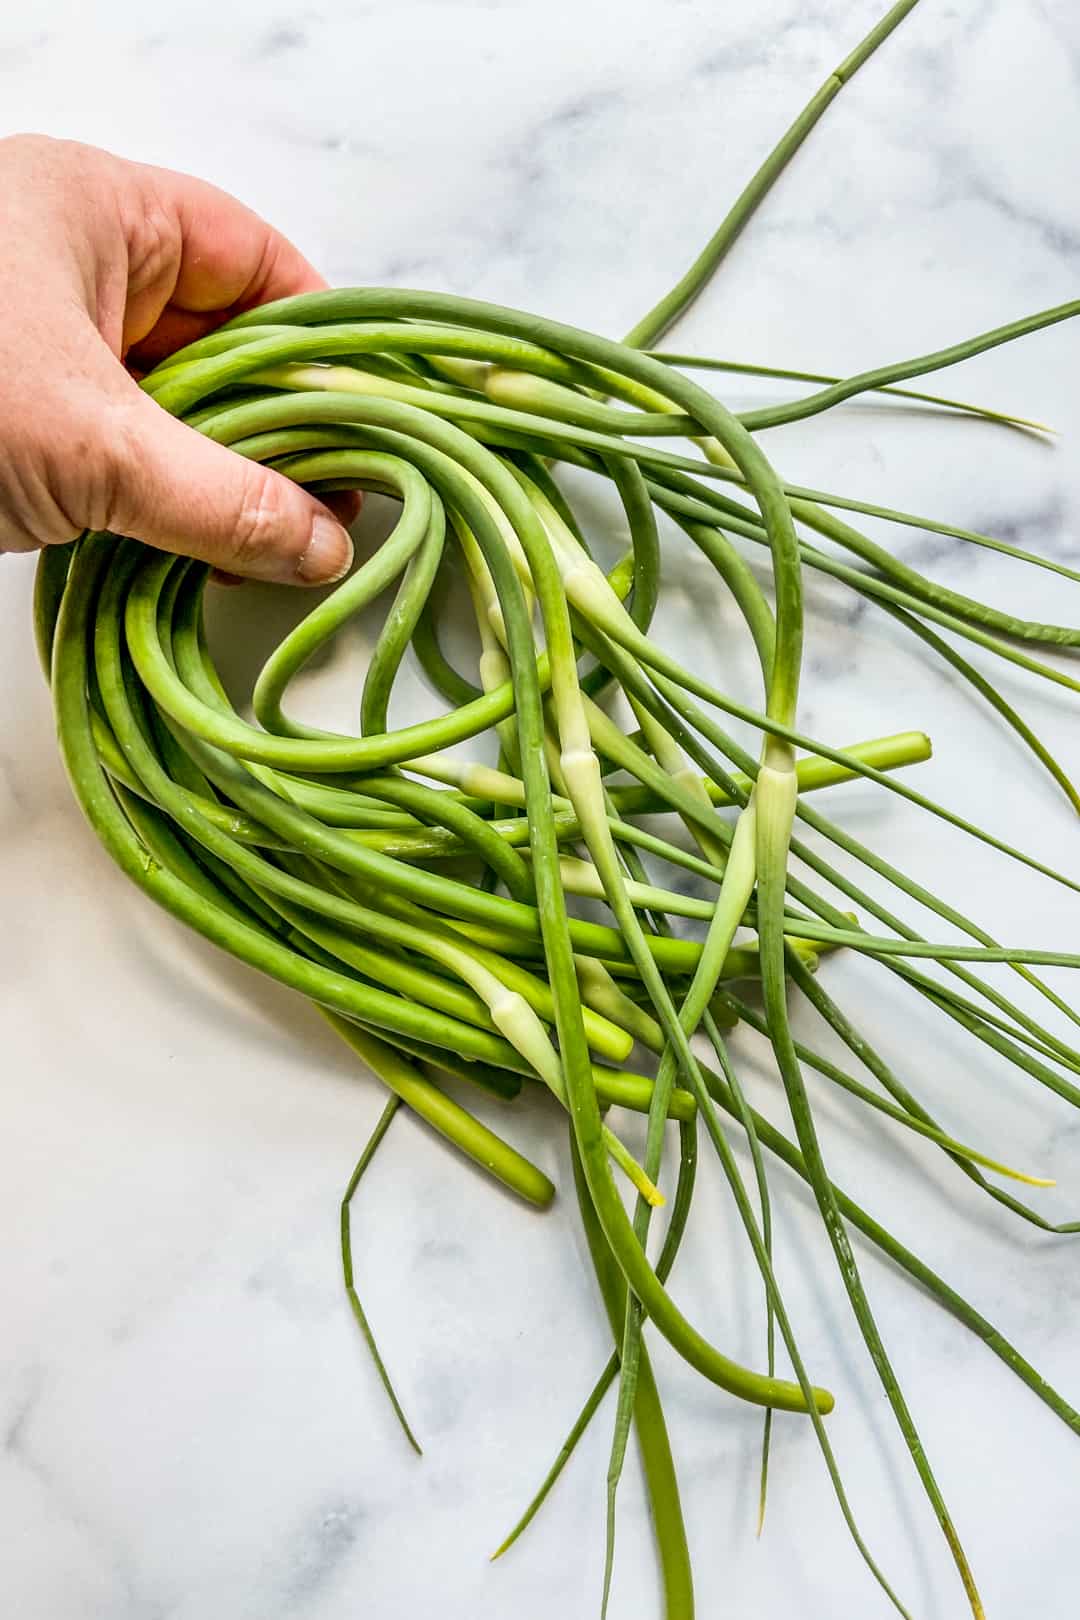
(174,488)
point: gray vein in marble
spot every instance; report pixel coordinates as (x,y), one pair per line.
(1040,528)
(9,779)
(280,40)
(790,43)
(14,1433)
(1063,20)
(320,1547)
(135,1604)
(740,56)
(962,176)
(532,161)
(440,1251)
(1061,239)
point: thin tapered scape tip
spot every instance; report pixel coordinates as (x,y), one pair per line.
(1033,426)
(1017,1175)
(1009,420)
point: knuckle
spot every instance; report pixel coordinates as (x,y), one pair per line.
(256,529)
(21,144)
(156,244)
(28,146)
(106,446)
(42,496)
(27,523)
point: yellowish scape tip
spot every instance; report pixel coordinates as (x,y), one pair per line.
(640,1181)
(996,1166)
(1014,1175)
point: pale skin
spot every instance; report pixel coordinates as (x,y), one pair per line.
(106,266)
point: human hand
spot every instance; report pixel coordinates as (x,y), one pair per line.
(103,264)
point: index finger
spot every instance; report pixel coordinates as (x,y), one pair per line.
(231,259)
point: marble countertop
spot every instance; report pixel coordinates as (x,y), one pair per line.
(189,1425)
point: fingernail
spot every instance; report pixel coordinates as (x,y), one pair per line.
(329,553)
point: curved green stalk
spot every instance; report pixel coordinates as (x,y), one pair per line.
(659,1466)
(882,376)
(664,314)
(699,362)
(381,1127)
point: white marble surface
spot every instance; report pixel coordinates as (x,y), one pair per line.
(190,1427)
